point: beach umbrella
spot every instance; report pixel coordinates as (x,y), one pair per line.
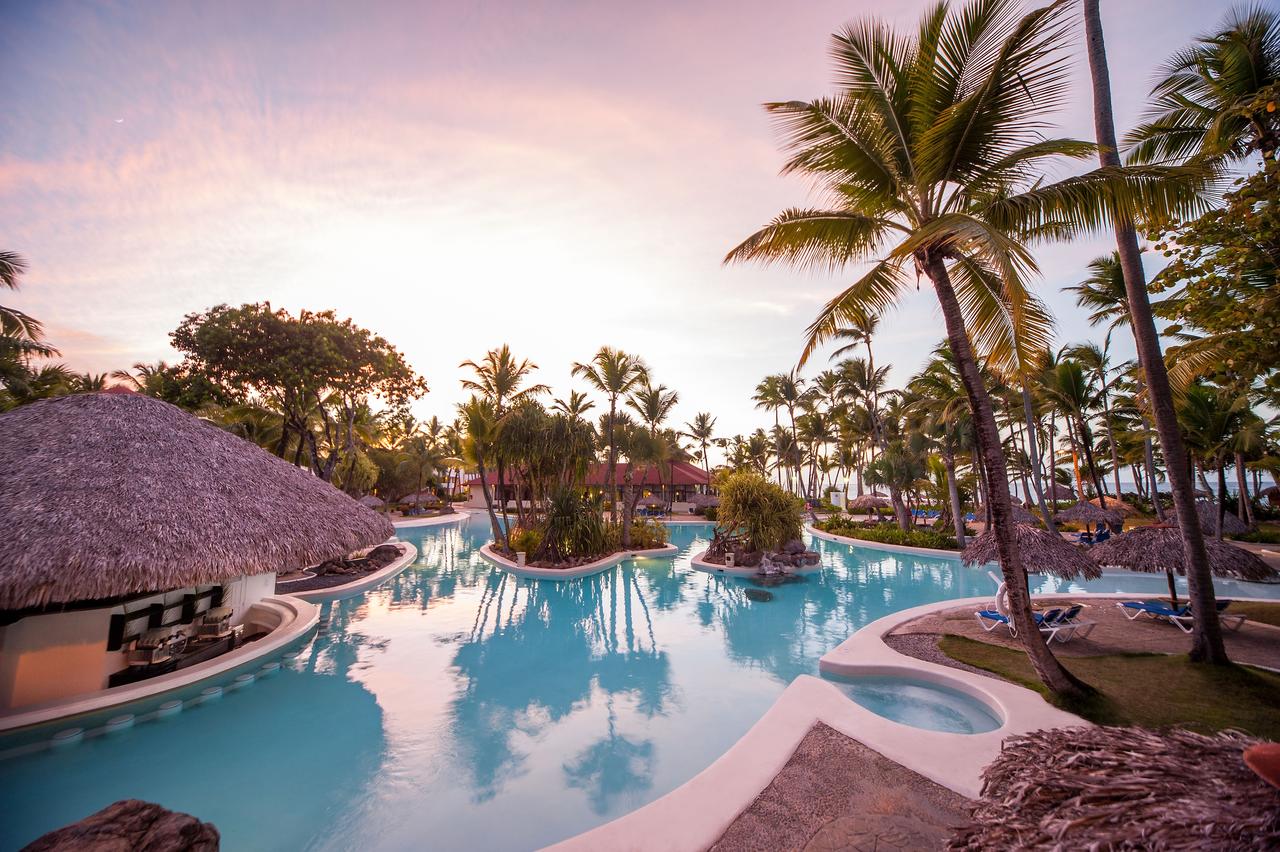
(869,501)
(1118,505)
(1042,553)
(1060,492)
(1159,548)
(371,501)
(1207,512)
(1272,493)
(1088,513)
(1022,516)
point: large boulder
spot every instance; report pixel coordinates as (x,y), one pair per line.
(793,547)
(131,825)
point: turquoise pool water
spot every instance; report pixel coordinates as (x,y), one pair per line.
(458,707)
(919,704)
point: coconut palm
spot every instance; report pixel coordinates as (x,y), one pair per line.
(701,430)
(931,156)
(575,407)
(1103,293)
(1215,101)
(1207,645)
(937,394)
(479,425)
(615,374)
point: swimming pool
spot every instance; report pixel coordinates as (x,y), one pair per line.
(456,706)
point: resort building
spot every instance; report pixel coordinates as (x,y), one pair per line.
(676,482)
(137,540)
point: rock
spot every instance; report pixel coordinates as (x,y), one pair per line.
(793,546)
(811,558)
(130,825)
(759,595)
(749,560)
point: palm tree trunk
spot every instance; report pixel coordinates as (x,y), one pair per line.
(611,475)
(1242,482)
(953,492)
(1207,645)
(498,537)
(1037,469)
(1000,507)
(1150,454)
(1222,496)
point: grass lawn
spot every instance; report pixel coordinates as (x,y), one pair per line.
(1263,613)
(1152,690)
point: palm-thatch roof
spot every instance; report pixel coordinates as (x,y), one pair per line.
(705,500)
(1042,553)
(1088,513)
(1207,512)
(1118,505)
(1022,515)
(1057,491)
(869,501)
(371,501)
(1159,548)
(1131,788)
(103,495)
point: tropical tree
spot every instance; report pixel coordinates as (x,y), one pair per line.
(575,407)
(1215,102)
(615,374)
(931,156)
(1102,293)
(1207,645)
(479,433)
(701,430)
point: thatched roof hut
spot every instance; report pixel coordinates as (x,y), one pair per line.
(1207,512)
(1131,788)
(371,501)
(1042,553)
(705,500)
(1118,505)
(1088,513)
(1021,515)
(1158,548)
(869,501)
(1057,491)
(103,495)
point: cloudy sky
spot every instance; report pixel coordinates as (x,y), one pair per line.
(554,175)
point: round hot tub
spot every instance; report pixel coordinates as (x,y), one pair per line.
(919,703)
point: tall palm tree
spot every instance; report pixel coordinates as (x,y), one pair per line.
(615,374)
(1207,644)
(575,407)
(931,156)
(1097,360)
(938,395)
(1215,102)
(498,379)
(1103,293)
(479,433)
(702,430)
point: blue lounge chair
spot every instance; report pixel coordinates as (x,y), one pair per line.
(1073,626)
(990,619)
(1159,611)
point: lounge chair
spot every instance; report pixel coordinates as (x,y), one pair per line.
(1069,619)
(1047,622)
(1159,611)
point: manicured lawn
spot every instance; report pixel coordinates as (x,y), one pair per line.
(1265,613)
(1152,690)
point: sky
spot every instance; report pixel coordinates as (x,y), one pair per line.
(553,175)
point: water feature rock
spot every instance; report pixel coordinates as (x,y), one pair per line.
(128,825)
(794,546)
(759,595)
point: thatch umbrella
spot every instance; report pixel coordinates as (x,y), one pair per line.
(1159,548)
(371,501)
(1131,788)
(705,500)
(1060,492)
(1088,513)
(1207,512)
(1272,493)
(1021,515)
(869,501)
(1042,553)
(104,495)
(1118,505)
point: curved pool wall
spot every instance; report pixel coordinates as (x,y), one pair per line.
(456,706)
(919,703)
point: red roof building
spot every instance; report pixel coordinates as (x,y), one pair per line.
(682,478)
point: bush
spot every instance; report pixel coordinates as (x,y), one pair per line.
(888,534)
(525,540)
(759,511)
(710,513)
(1262,535)
(647,534)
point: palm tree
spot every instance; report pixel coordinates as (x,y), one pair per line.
(1207,645)
(1216,100)
(939,396)
(498,379)
(702,430)
(930,156)
(862,327)
(1097,359)
(479,425)
(1103,293)
(20,331)
(615,374)
(575,406)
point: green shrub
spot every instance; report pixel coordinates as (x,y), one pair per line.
(574,528)
(647,534)
(888,534)
(525,540)
(1262,535)
(710,513)
(759,511)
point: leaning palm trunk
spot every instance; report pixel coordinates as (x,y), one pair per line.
(999,505)
(953,492)
(1207,645)
(1242,483)
(498,536)
(1149,454)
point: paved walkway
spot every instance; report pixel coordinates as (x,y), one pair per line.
(837,794)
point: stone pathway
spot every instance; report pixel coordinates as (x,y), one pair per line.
(837,794)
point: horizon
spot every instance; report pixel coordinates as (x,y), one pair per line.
(156,164)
